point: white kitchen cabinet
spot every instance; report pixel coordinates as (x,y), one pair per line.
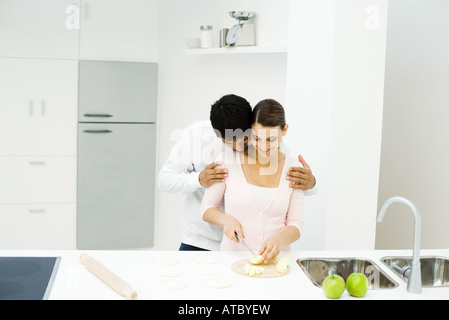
(38,226)
(38,106)
(58,98)
(37,179)
(119,30)
(18,90)
(39,29)
(38,129)
(122,30)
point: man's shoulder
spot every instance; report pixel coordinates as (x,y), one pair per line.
(203,125)
(199,130)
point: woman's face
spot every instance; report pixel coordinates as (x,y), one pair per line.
(267,140)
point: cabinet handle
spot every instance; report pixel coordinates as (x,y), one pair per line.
(36,163)
(34,211)
(97,131)
(31,107)
(97,115)
(43,108)
(86,10)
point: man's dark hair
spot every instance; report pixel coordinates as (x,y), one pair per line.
(231,113)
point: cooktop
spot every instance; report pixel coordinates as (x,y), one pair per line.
(27,278)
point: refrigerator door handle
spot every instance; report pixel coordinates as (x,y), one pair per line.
(97,131)
(97,115)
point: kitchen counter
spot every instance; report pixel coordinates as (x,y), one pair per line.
(73,281)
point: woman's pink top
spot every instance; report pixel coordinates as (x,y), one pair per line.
(285,209)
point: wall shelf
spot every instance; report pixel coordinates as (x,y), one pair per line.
(236,50)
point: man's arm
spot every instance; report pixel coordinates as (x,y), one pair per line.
(175,177)
(179,175)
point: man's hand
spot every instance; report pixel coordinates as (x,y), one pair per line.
(210,175)
(301,178)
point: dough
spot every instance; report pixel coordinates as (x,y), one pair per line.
(217,283)
(204,259)
(207,271)
(172,284)
(164,261)
(168,272)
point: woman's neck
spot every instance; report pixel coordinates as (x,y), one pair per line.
(265,172)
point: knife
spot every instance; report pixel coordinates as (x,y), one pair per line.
(244,243)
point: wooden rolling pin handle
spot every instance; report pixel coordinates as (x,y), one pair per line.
(104,274)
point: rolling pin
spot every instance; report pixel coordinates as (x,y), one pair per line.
(104,274)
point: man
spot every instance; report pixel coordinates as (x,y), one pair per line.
(190,167)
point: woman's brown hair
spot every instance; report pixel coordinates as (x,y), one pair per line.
(269,113)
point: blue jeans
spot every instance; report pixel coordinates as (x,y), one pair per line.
(188,247)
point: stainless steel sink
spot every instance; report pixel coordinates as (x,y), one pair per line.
(316,269)
(434,269)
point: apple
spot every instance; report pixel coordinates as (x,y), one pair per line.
(257,259)
(357,285)
(333,286)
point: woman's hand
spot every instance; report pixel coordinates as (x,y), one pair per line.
(231,226)
(270,248)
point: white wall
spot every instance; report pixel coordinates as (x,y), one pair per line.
(309,95)
(356,123)
(335,85)
(416,132)
(189,84)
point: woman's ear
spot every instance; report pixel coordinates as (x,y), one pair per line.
(284,132)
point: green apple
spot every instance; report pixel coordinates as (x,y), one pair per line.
(333,286)
(357,284)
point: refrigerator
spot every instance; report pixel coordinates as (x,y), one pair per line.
(116,155)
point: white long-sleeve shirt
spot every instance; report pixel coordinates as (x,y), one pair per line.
(196,147)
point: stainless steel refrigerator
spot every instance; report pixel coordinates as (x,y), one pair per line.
(116,154)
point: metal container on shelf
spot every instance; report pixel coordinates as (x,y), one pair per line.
(223,34)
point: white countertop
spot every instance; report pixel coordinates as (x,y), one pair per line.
(75,282)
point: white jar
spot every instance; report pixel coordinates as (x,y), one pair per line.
(206,37)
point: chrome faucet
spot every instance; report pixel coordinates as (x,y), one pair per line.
(414,280)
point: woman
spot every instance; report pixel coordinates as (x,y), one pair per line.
(260,207)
